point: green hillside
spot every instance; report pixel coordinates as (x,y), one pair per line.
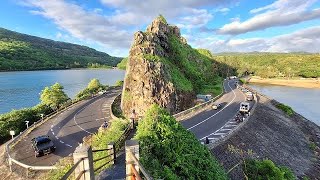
(24,52)
(272,65)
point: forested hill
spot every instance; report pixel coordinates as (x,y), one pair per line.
(24,52)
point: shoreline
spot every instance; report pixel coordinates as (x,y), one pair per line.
(58,69)
(303,83)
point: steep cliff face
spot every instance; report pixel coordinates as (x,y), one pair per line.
(154,73)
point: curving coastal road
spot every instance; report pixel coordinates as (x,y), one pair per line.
(217,123)
(67,129)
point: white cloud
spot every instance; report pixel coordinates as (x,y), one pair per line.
(307,40)
(115,30)
(279,13)
(224,11)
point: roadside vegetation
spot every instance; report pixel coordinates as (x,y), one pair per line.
(287,109)
(24,52)
(169,151)
(93,87)
(273,65)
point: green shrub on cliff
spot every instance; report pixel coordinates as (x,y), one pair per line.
(169,151)
(266,169)
(287,109)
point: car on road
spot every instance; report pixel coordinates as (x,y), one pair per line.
(42,145)
(216,106)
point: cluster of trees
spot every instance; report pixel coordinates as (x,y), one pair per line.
(271,65)
(24,52)
(93,87)
(52,99)
(169,151)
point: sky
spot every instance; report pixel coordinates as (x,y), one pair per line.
(217,25)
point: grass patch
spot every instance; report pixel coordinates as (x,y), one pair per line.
(312,146)
(64,165)
(287,109)
(266,169)
(101,140)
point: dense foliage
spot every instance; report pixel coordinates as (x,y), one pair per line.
(24,52)
(123,64)
(266,169)
(53,96)
(287,109)
(271,65)
(169,151)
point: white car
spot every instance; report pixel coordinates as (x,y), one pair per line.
(216,106)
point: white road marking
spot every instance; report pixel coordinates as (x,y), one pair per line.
(230,125)
(217,112)
(52,126)
(218,134)
(100,119)
(212,138)
(56,137)
(226,129)
(68,145)
(52,132)
(61,142)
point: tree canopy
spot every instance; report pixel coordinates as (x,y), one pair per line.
(53,96)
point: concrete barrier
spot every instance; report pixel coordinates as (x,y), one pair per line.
(200,106)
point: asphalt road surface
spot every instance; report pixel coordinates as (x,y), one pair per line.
(216,123)
(67,129)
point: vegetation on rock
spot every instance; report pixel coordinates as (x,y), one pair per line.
(287,109)
(169,151)
(272,65)
(24,52)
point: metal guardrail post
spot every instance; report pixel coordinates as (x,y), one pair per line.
(133,146)
(112,150)
(86,166)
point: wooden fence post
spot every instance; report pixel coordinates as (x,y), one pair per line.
(85,153)
(112,148)
(133,146)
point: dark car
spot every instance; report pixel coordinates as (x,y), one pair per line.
(42,145)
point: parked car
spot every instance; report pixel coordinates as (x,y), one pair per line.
(216,106)
(42,145)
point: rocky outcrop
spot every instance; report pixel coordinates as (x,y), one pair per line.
(148,79)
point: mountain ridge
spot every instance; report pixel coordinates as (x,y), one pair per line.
(20,51)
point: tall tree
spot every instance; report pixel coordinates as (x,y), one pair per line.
(94,85)
(53,96)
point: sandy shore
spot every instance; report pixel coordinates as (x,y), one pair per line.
(305,83)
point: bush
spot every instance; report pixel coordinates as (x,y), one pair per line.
(169,151)
(287,109)
(123,64)
(266,169)
(119,83)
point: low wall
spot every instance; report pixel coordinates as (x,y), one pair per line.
(200,106)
